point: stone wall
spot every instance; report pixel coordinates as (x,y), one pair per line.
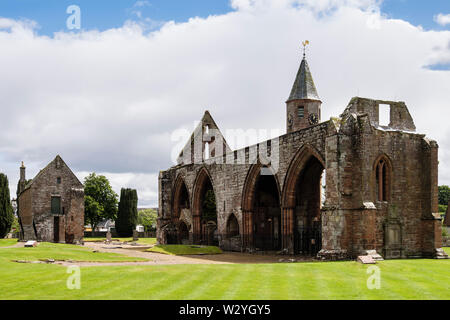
(26,216)
(228,177)
(354,219)
(35,204)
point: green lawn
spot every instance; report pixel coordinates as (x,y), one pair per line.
(149,241)
(178,249)
(60,252)
(400,279)
(7,242)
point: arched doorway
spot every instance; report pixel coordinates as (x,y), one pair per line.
(261,210)
(183,232)
(232,239)
(232,227)
(302,223)
(205,210)
(307,218)
(180,210)
(267,214)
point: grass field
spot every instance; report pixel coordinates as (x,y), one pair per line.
(400,279)
(7,242)
(148,241)
(60,252)
(178,249)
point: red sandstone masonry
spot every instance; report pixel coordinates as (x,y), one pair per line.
(353,220)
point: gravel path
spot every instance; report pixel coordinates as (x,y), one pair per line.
(165,259)
(17,245)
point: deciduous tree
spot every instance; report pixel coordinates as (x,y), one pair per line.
(147,218)
(100,200)
(444,195)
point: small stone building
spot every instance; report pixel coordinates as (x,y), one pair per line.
(51,206)
(333,189)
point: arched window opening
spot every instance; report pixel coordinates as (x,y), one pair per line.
(382,180)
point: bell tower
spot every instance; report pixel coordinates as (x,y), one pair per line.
(303,105)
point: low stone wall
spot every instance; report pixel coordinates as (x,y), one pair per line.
(231,244)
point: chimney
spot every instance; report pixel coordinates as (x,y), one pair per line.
(22,172)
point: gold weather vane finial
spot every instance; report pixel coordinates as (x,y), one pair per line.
(305,43)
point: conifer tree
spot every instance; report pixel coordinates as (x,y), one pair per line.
(6,210)
(127,214)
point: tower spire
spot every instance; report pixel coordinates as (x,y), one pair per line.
(303,104)
(304,87)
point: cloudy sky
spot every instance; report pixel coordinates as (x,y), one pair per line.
(109,96)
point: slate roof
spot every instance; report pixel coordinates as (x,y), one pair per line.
(304,87)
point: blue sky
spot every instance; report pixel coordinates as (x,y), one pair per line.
(87,86)
(104,14)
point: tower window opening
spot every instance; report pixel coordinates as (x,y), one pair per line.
(301,112)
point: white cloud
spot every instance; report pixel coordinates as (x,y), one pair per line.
(109,101)
(146,184)
(442,19)
(140,4)
(313,5)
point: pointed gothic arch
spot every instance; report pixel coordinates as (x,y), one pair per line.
(181,198)
(204,222)
(296,165)
(250,183)
(301,201)
(261,209)
(232,226)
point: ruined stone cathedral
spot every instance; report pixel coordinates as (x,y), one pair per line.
(331,189)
